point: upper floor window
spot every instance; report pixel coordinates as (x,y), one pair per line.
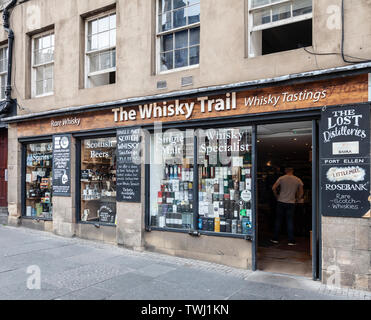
(279,25)
(42,64)
(3,71)
(101,50)
(178,34)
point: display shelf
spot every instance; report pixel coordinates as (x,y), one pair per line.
(110,199)
(43,167)
(92,218)
(89,163)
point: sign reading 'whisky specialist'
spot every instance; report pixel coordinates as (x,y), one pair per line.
(62,165)
(345,161)
(128,172)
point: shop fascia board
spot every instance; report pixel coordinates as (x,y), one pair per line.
(305,76)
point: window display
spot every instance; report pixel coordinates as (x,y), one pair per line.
(172,180)
(39,180)
(98,180)
(224,180)
(224,158)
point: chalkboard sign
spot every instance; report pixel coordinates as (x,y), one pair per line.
(62,165)
(345,161)
(128,173)
(107,212)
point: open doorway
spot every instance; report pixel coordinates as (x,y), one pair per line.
(282,146)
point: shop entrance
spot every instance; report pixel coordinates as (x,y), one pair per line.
(280,147)
(3,168)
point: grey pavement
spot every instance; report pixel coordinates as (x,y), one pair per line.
(77,269)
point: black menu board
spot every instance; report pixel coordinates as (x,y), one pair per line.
(62,165)
(128,171)
(345,161)
(107,212)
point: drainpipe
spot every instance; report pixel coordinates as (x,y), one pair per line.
(8,90)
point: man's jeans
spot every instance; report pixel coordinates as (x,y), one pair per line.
(285,210)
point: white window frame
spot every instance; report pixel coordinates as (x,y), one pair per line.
(172,31)
(252,28)
(34,67)
(89,74)
(5,72)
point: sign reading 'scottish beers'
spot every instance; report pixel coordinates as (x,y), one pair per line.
(345,161)
(251,101)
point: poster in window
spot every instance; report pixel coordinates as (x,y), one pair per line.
(62,165)
(128,172)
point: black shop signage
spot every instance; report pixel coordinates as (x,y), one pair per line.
(107,212)
(128,170)
(345,161)
(62,165)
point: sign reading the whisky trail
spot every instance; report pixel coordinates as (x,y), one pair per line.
(250,101)
(128,170)
(345,161)
(62,165)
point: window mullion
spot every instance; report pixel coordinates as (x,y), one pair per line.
(190,26)
(189,48)
(43,79)
(291,10)
(173,51)
(196,214)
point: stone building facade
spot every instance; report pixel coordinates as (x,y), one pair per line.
(182,52)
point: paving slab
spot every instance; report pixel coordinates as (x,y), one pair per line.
(160,290)
(89,293)
(77,269)
(86,276)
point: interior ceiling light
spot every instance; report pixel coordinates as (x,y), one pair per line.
(304,131)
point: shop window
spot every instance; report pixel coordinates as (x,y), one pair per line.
(224,158)
(100,54)
(224,185)
(98,180)
(172,173)
(178,34)
(43,64)
(3,71)
(276,26)
(39,180)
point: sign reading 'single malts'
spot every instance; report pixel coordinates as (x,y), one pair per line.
(345,161)
(128,171)
(62,165)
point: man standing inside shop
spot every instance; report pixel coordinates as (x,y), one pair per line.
(288,189)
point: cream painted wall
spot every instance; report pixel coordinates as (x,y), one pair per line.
(223,43)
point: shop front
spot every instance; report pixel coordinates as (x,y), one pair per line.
(191,175)
(3,169)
